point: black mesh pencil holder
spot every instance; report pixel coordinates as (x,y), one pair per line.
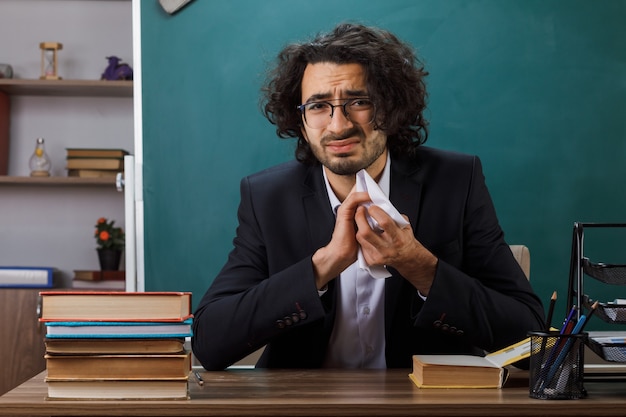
(557,366)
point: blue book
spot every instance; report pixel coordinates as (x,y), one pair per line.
(27,276)
(114,329)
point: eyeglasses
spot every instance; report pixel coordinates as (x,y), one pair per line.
(318,114)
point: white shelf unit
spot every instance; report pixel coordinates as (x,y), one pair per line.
(50,221)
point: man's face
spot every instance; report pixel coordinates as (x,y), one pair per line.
(343,146)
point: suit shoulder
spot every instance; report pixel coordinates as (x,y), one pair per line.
(280,174)
(432,160)
(426,153)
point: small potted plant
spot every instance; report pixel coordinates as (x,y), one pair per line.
(110,244)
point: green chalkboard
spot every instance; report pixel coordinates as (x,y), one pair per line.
(536,88)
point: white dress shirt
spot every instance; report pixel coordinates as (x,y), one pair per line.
(358,337)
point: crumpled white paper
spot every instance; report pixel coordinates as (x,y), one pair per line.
(364,182)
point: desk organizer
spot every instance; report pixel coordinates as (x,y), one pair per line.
(607,273)
(613,274)
(609,312)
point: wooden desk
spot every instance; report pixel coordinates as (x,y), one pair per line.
(21,337)
(324,393)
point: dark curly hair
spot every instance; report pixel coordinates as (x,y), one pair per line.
(395,81)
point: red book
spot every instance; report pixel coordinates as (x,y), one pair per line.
(97,275)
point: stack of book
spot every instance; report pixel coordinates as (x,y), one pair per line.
(94,163)
(99,280)
(116,345)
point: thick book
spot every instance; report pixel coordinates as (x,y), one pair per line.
(92,173)
(114,306)
(118,366)
(122,329)
(172,389)
(95,163)
(95,153)
(97,275)
(27,276)
(115,346)
(467,371)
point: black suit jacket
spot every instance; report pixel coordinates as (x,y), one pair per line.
(266,294)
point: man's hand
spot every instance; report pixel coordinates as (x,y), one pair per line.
(395,246)
(341,251)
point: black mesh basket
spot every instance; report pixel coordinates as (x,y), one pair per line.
(607,273)
(609,351)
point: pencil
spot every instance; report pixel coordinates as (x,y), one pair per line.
(592,310)
(564,351)
(550,312)
(198,378)
(582,322)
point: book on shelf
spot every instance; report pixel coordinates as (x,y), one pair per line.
(95,163)
(115,306)
(98,275)
(95,152)
(117,346)
(102,285)
(27,276)
(467,371)
(118,366)
(92,173)
(123,329)
(171,389)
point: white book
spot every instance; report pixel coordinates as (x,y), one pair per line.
(27,276)
(118,389)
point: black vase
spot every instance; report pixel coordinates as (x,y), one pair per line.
(109,259)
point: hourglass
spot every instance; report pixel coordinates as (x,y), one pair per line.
(49,60)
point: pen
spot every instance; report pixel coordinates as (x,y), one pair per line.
(559,359)
(568,325)
(550,312)
(548,326)
(568,319)
(198,378)
(578,328)
(554,351)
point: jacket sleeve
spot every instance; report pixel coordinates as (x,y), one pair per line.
(479,289)
(246,306)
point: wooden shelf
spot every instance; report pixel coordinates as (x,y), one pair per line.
(7,180)
(68,88)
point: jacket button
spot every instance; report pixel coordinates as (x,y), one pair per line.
(295,317)
(280,324)
(445,327)
(437,323)
(302,315)
(288,320)
(459,332)
(452,329)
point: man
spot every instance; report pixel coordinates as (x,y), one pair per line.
(354,100)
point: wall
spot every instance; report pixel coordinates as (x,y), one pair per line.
(54,225)
(537,88)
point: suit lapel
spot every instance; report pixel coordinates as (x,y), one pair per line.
(405,193)
(405,190)
(317,210)
(321,222)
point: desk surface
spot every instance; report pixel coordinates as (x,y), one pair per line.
(241,392)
